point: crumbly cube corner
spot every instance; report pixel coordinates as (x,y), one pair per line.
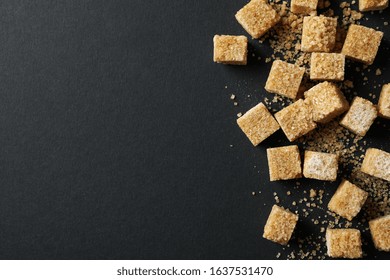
(258,124)
(362,43)
(284,79)
(296,119)
(257,17)
(306,7)
(327,101)
(373,5)
(344,243)
(230,49)
(360,116)
(284,163)
(320,166)
(318,34)
(377,163)
(384,102)
(348,200)
(380,232)
(280,225)
(327,66)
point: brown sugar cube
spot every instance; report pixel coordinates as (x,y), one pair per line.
(377,163)
(284,163)
(320,166)
(296,119)
(258,124)
(318,34)
(327,102)
(360,116)
(280,225)
(230,49)
(362,43)
(257,17)
(327,66)
(344,243)
(384,102)
(347,200)
(304,6)
(284,79)
(373,5)
(380,232)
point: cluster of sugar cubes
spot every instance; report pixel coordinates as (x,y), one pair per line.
(321,104)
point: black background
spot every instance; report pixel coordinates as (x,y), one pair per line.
(115,132)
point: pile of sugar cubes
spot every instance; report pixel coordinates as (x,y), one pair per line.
(321,104)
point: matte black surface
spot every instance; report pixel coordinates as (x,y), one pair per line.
(115,133)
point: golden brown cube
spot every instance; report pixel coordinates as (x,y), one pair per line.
(318,34)
(258,124)
(327,102)
(296,119)
(284,163)
(320,166)
(360,116)
(384,102)
(257,17)
(230,49)
(362,43)
(306,7)
(372,5)
(377,163)
(327,66)
(280,225)
(344,243)
(347,200)
(284,79)
(380,232)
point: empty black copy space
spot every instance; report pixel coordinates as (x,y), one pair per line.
(116,131)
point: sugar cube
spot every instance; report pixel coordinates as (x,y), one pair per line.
(327,101)
(320,166)
(344,243)
(318,34)
(257,17)
(380,232)
(360,116)
(280,225)
(230,49)
(377,163)
(304,6)
(258,124)
(362,43)
(296,119)
(372,5)
(347,200)
(284,163)
(284,79)
(327,66)
(384,102)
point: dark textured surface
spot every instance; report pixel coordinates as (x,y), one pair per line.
(115,133)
